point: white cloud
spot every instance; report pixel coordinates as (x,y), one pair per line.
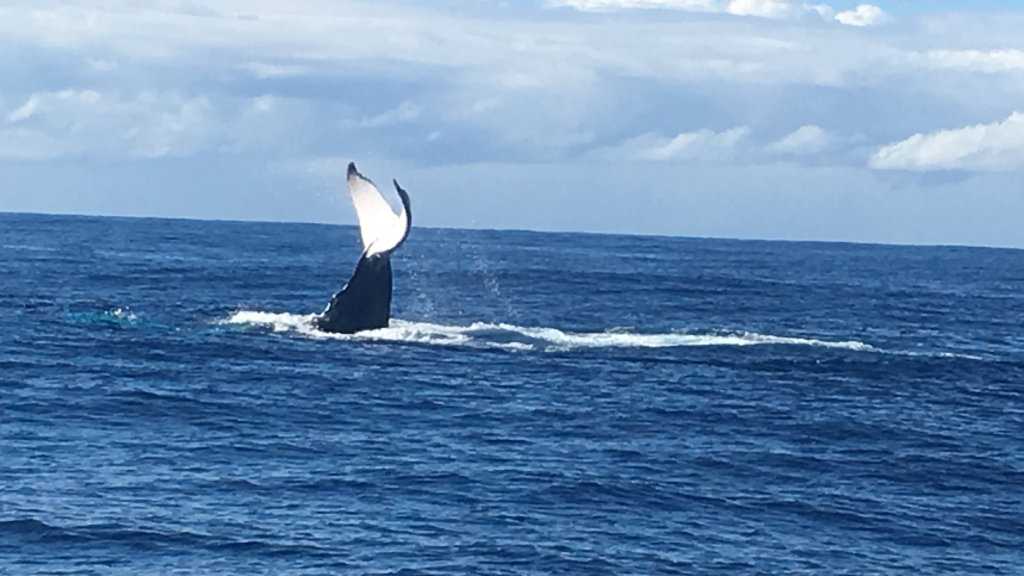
(41,102)
(762,8)
(990,61)
(83,123)
(263,104)
(405,112)
(862,15)
(807,139)
(700,144)
(825,11)
(25,111)
(993,147)
(87,123)
(312,38)
(537,88)
(264,70)
(759,8)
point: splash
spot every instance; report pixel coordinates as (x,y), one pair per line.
(523,338)
(122,314)
(119,316)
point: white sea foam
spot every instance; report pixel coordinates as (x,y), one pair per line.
(280,322)
(121,313)
(958,355)
(512,337)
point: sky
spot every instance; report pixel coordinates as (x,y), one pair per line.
(897,122)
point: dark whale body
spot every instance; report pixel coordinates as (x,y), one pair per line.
(364,303)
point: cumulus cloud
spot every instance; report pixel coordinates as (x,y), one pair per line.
(313,40)
(522,88)
(700,144)
(807,139)
(983,147)
(862,15)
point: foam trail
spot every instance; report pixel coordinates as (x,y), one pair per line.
(512,337)
(280,322)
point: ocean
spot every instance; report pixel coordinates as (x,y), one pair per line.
(542,404)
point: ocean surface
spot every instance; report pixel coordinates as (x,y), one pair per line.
(542,404)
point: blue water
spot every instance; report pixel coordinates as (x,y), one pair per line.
(543,404)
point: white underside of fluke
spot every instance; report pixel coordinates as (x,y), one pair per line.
(381,229)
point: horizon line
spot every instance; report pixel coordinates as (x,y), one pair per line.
(529,230)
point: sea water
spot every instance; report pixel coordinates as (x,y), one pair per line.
(541,404)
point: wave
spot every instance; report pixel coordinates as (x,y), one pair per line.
(28,248)
(27,531)
(524,338)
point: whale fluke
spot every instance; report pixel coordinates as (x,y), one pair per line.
(364,303)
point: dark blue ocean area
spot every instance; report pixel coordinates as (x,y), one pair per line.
(541,404)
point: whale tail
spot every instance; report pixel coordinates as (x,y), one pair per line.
(364,303)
